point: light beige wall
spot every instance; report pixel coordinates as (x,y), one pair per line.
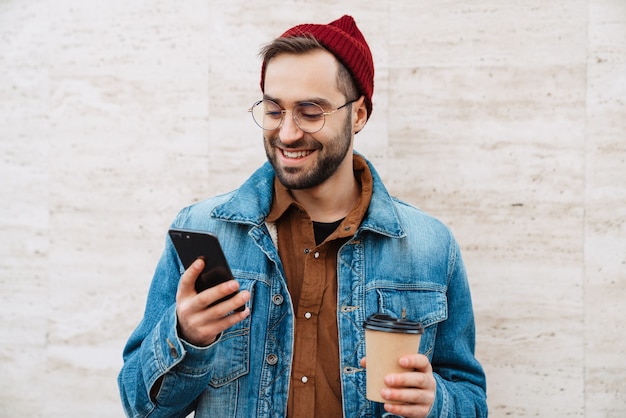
(506,119)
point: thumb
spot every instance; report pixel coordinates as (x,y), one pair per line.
(186,287)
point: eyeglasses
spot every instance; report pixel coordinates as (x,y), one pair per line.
(309,116)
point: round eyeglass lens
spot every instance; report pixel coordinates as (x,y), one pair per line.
(267,114)
(309,116)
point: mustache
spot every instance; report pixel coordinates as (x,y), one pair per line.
(302,143)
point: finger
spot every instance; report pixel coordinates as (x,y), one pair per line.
(418,375)
(186,287)
(239,300)
(408,395)
(203,329)
(363,362)
(208,297)
(408,410)
(211,320)
(407,380)
(213,294)
(417,362)
(230,320)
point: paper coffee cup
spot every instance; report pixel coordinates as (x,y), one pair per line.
(386,340)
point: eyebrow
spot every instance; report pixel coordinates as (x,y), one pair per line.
(317,100)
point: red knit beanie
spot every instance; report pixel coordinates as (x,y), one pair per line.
(346,42)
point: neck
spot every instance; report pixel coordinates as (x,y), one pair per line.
(333,199)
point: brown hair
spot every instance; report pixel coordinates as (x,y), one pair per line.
(303,44)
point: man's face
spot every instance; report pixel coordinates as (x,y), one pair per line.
(306,160)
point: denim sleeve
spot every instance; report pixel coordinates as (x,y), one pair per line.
(155,351)
(461,383)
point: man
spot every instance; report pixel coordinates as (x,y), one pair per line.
(316,245)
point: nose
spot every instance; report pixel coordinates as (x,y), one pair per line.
(289,130)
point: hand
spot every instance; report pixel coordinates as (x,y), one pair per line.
(198,323)
(415,388)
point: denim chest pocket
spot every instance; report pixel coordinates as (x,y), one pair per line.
(233,348)
(425,304)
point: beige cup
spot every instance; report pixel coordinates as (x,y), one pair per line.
(386,340)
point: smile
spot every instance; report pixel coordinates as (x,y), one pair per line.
(296,154)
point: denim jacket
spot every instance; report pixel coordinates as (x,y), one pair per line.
(400,258)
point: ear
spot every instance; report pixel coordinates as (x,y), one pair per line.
(359,115)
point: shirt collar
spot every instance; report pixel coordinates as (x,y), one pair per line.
(251,203)
(283,199)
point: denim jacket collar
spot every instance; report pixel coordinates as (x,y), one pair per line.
(251,204)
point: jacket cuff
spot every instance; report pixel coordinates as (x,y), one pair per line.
(166,351)
(440,406)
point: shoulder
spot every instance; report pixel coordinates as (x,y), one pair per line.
(418,223)
(199,214)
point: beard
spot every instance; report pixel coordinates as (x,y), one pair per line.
(329,158)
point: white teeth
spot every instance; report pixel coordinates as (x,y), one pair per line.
(297,154)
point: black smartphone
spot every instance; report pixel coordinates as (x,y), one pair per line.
(191,245)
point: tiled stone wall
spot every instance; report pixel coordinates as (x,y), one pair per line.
(506,119)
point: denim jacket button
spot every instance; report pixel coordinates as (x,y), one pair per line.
(278,299)
(272,359)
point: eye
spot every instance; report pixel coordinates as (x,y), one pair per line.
(309,111)
(274,114)
(272,110)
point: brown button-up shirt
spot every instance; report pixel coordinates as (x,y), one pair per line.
(311,273)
